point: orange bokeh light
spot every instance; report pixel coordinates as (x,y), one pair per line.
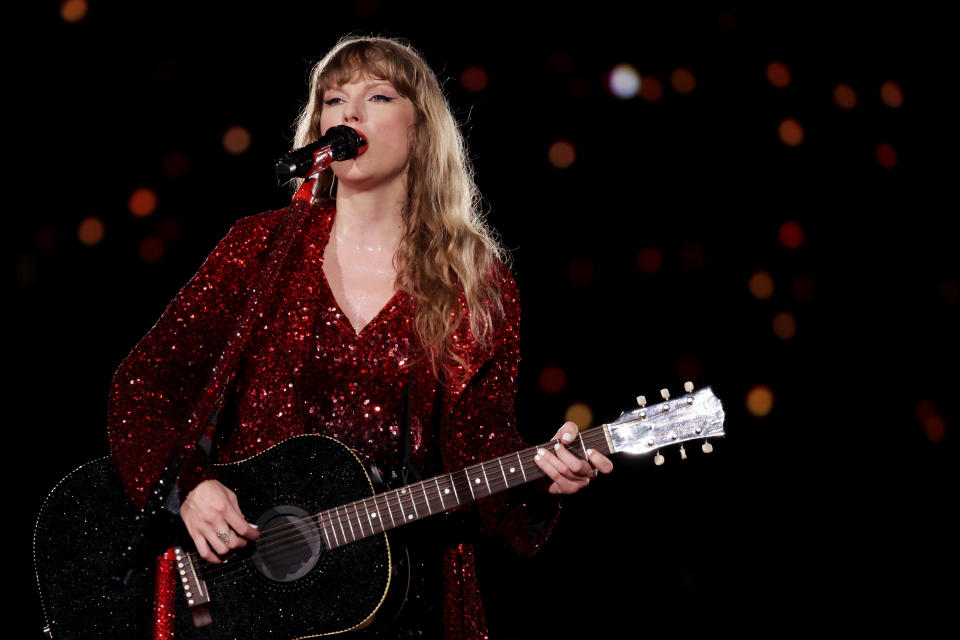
(73,10)
(682,80)
(891,94)
(562,154)
(844,96)
(651,89)
(474,79)
(151,249)
(90,231)
(236,140)
(142,202)
(784,325)
(778,74)
(886,155)
(791,132)
(760,401)
(580,413)
(761,285)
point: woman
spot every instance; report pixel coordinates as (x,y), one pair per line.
(393,328)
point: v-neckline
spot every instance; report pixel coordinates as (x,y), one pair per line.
(345,317)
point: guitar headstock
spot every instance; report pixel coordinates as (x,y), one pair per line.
(692,416)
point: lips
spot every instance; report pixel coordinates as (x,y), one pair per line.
(363,149)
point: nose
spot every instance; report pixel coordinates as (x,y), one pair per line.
(353,111)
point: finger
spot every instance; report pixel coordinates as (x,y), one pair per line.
(555,471)
(203,548)
(599,461)
(561,467)
(244,530)
(577,465)
(212,534)
(567,432)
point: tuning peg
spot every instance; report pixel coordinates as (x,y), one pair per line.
(658,459)
(683,454)
(688,386)
(642,401)
(707,447)
(665,394)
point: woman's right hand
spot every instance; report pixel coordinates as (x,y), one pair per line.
(214,521)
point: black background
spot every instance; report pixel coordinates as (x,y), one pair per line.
(831,508)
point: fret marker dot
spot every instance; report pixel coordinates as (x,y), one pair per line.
(403,492)
(410,516)
(373,515)
(477,480)
(446,490)
(512,469)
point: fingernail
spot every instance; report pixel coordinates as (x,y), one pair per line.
(568,437)
(541,452)
(589,452)
(254,526)
(556,447)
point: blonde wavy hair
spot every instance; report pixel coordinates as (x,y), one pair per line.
(446,246)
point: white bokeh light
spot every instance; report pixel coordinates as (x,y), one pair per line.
(624,81)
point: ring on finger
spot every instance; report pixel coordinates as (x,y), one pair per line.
(224,536)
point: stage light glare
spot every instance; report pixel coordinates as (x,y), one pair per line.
(682,80)
(761,285)
(791,132)
(651,89)
(142,202)
(844,96)
(474,79)
(236,140)
(562,154)
(73,10)
(891,94)
(784,325)
(90,231)
(623,81)
(778,74)
(886,155)
(760,401)
(151,249)
(580,413)
(553,379)
(791,235)
(649,260)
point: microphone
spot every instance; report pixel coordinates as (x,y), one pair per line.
(340,143)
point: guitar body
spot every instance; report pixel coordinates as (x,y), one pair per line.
(303,591)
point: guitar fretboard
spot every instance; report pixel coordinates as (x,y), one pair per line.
(384,511)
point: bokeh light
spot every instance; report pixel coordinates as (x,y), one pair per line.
(886,156)
(175,165)
(236,140)
(142,202)
(891,94)
(844,96)
(924,411)
(692,256)
(791,235)
(682,80)
(791,132)
(562,154)
(553,379)
(761,285)
(623,81)
(651,89)
(581,271)
(784,325)
(760,401)
(474,79)
(90,231)
(935,428)
(151,249)
(803,288)
(45,239)
(580,413)
(73,10)
(778,74)
(649,260)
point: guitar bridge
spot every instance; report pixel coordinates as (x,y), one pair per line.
(194,588)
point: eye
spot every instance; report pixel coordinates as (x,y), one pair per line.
(382,98)
(333,101)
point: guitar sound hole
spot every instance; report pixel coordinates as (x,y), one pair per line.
(290,544)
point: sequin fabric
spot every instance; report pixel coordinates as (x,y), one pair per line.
(306,370)
(165,584)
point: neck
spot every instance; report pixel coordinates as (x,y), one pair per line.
(369,219)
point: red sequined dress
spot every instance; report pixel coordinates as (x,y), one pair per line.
(305,369)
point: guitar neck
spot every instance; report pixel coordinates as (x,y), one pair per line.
(384,511)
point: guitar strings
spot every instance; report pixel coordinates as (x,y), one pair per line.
(289,537)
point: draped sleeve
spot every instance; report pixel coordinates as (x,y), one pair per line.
(479,423)
(155,388)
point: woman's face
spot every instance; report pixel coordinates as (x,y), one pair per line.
(384,118)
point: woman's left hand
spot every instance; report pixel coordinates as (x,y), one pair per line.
(568,472)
